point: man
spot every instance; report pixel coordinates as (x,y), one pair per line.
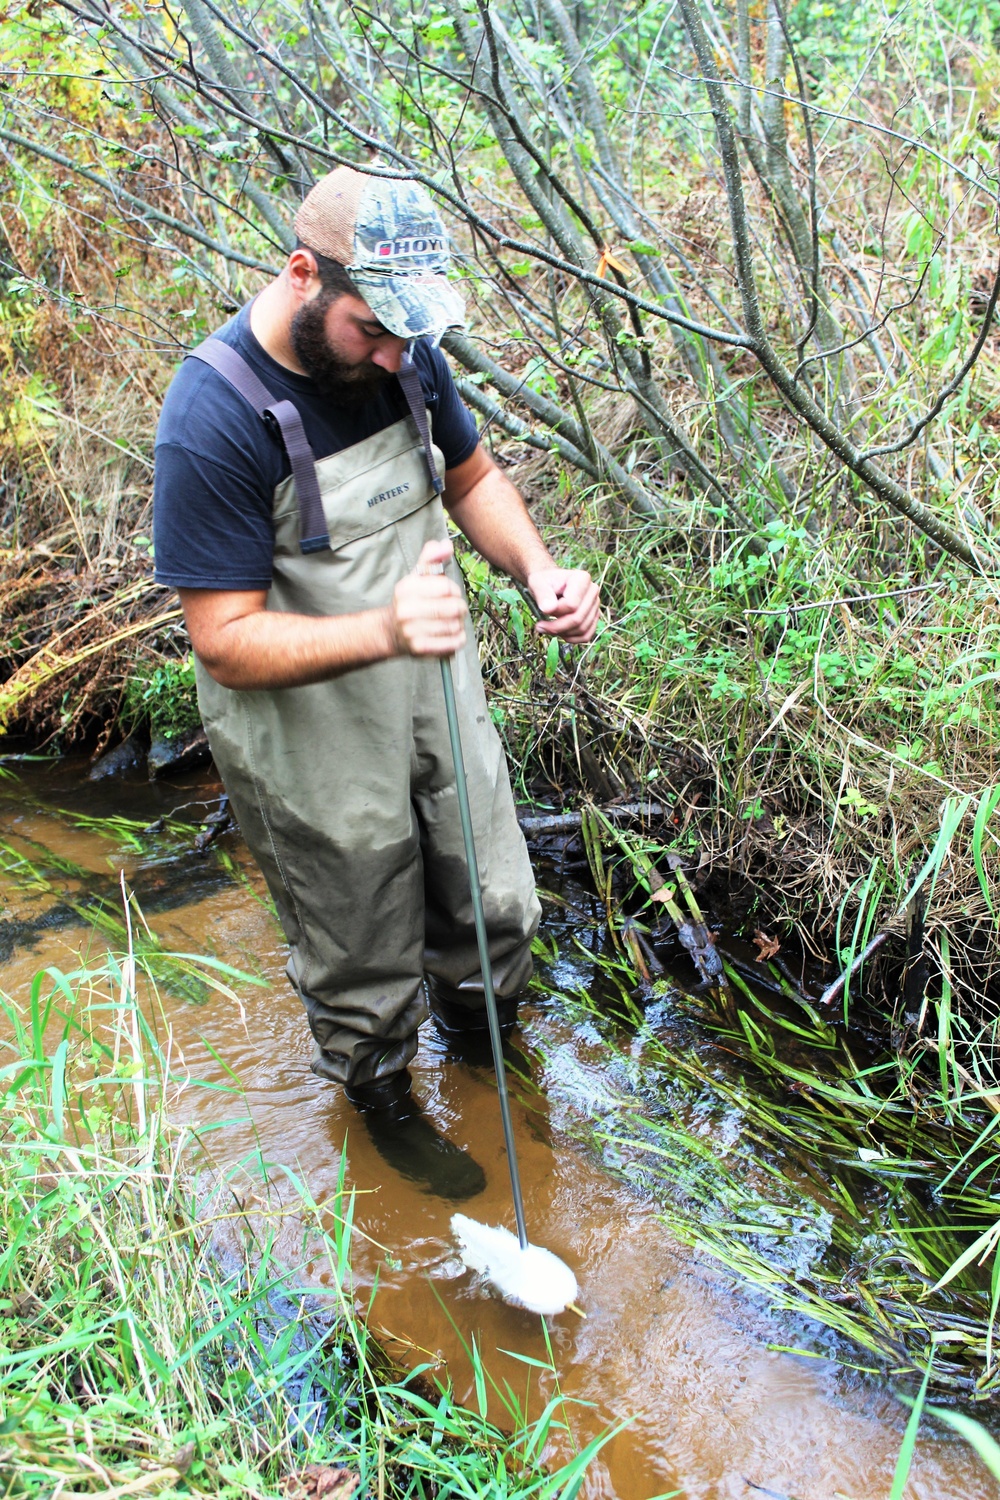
(319,596)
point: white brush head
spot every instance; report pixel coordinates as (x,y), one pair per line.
(533,1278)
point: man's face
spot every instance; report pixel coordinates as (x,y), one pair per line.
(343,348)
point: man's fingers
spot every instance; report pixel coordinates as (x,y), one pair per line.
(561,593)
(574,629)
(428,609)
(546,598)
(433,554)
(577,611)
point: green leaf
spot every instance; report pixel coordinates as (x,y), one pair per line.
(975,1435)
(918,237)
(952,813)
(910,1437)
(980,1247)
(552,658)
(59,1086)
(987,807)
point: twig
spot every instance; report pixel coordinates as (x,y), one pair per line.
(800,401)
(790,609)
(953,384)
(834,990)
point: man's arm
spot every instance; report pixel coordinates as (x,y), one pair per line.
(245,645)
(489,511)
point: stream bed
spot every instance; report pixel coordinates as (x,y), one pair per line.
(670,1346)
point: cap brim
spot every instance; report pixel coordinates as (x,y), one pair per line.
(412,307)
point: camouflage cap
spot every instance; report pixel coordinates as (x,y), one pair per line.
(390,238)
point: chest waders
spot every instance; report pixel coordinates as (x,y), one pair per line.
(345,789)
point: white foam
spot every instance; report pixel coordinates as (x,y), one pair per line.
(533,1278)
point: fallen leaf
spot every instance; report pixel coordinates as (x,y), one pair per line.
(768,946)
(318,1482)
(183,1458)
(607,259)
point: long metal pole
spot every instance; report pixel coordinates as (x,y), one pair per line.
(496,1040)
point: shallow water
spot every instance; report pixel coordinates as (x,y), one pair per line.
(669,1345)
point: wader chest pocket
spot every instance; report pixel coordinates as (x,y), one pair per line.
(365,488)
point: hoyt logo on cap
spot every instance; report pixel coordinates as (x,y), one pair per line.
(419,245)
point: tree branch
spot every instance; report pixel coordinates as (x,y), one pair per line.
(953,385)
(835,439)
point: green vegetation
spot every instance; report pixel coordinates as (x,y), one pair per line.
(799,661)
(149,1336)
(792,668)
(831,747)
(856,1184)
(80,898)
(162,697)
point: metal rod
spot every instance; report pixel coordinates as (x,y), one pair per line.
(496,1040)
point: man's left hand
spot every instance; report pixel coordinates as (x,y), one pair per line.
(569,600)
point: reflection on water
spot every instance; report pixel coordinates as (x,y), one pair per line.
(668,1345)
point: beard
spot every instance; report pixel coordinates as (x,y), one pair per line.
(350,384)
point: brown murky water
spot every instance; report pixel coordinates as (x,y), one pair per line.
(668,1344)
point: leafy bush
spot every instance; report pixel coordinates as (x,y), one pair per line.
(165,696)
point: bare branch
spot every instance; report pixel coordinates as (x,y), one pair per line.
(836,440)
(953,385)
(148,210)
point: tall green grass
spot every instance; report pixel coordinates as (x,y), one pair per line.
(858,1185)
(801,712)
(818,721)
(151,1340)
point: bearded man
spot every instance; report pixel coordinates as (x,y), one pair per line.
(298,512)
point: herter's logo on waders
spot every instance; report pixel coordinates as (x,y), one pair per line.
(400,489)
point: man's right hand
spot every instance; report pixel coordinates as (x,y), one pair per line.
(428,611)
(248,647)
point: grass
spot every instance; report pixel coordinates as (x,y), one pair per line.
(150,1338)
(838,763)
(81,897)
(144,1309)
(814,703)
(813,698)
(854,1182)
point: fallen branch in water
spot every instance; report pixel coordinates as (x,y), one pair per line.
(568,822)
(835,990)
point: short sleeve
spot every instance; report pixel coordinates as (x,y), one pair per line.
(455,430)
(212,527)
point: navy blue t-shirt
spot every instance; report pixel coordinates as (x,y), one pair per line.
(218,464)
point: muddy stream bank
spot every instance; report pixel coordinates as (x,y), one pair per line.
(669,1343)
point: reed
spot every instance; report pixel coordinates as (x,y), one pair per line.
(855,1182)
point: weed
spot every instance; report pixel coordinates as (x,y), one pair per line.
(857,1188)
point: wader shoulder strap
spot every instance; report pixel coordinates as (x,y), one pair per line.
(410,381)
(225,360)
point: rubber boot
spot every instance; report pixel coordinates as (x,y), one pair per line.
(467,1031)
(388,1095)
(407,1141)
(455,1020)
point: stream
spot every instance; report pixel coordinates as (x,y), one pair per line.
(670,1345)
